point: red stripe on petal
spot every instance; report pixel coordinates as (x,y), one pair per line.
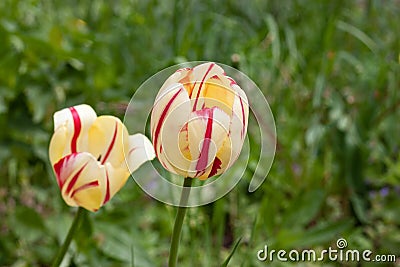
(233,82)
(74,179)
(107,197)
(110,147)
(215,167)
(203,158)
(59,166)
(57,169)
(77,128)
(85,186)
(162,118)
(201,85)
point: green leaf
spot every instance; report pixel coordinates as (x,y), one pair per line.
(27,224)
(38,101)
(304,208)
(118,243)
(322,233)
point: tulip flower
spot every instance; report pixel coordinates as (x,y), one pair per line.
(199,121)
(92,157)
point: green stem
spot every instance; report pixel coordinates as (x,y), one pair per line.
(180,215)
(74,227)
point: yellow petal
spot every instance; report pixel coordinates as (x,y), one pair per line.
(58,145)
(218,93)
(140,151)
(115,179)
(71,126)
(201,74)
(225,157)
(81,180)
(108,139)
(89,198)
(232,146)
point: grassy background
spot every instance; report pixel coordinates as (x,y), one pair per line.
(329,69)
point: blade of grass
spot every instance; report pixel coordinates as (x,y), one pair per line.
(132,256)
(275,41)
(225,263)
(360,35)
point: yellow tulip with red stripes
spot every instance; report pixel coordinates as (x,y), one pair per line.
(92,157)
(199,121)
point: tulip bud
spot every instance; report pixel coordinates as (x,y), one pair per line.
(199,121)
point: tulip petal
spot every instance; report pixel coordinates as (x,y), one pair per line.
(140,151)
(180,76)
(207,129)
(240,107)
(108,139)
(240,112)
(201,74)
(115,179)
(71,126)
(218,93)
(232,146)
(58,147)
(81,180)
(170,114)
(225,156)
(206,70)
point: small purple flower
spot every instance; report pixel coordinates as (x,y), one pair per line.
(384,191)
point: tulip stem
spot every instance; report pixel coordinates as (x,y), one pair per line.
(72,230)
(180,215)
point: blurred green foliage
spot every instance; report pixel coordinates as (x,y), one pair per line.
(331,73)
